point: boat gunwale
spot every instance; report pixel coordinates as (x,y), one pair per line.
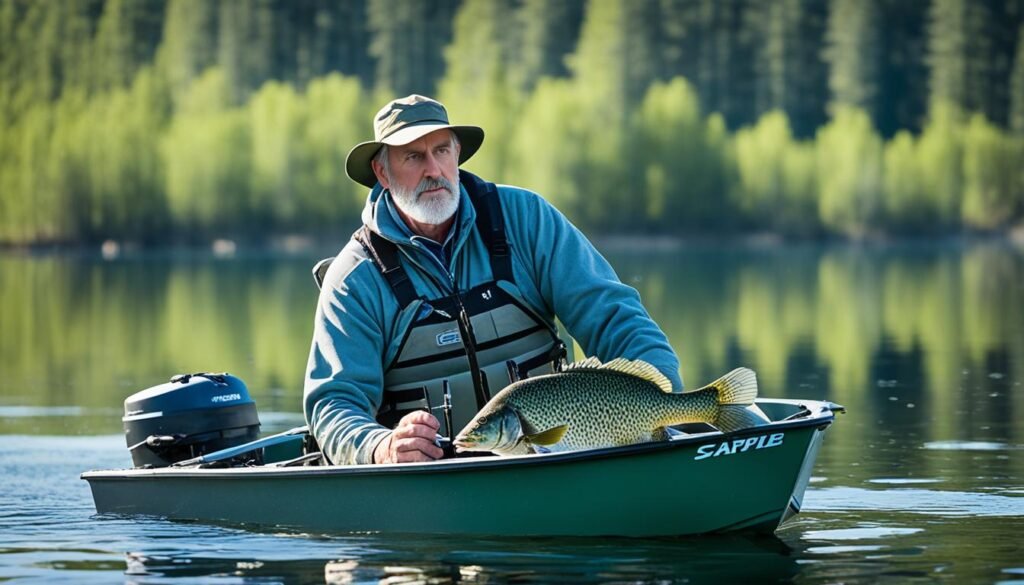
(819,416)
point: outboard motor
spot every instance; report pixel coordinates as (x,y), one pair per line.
(192,415)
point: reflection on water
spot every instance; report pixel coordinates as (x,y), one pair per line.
(921,481)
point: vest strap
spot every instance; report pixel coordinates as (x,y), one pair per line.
(490,221)
(385,256)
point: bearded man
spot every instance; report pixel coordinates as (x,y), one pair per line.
(447,293)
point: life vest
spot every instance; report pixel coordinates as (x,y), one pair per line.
(467,345)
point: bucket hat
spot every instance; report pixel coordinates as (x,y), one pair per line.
(403,121)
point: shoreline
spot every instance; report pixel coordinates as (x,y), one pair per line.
(301,246)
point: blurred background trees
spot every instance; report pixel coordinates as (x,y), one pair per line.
(161,121)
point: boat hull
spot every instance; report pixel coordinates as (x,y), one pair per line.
(750,480)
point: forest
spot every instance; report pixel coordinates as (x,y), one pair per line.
(182,121)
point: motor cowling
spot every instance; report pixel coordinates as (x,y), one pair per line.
(192,415)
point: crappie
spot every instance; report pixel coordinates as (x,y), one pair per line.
(590,405)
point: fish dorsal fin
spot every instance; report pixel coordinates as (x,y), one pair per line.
(638,368)
(591,363)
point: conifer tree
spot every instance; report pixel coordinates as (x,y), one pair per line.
(190,41)
(550,30)
(1016,121)
(852,52)
(408,38)
(126,40)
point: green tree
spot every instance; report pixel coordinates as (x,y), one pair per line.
(208,164)
(126,40)
(852,52)
(971,48)
(903,72)
(246,41)
(993,189)
(339,114)
(682,165)
(408,37)
(726,59)
(550,30)
(849,172)
(336,38)
(907,206)
(546,155)
(777,176)
(189,41)
(940,156)
(791,73)
(1016,121)
(477,86)
(127,167)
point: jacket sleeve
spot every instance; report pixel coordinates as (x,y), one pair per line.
(580,287)
(344,375)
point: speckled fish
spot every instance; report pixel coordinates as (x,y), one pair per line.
(590,405)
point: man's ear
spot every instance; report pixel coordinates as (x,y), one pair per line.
(378,169)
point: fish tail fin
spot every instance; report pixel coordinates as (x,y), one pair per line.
(736,391)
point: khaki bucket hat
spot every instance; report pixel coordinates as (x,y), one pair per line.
(403,121)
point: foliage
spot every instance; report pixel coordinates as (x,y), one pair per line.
(993,187)
(171,120)
(849,172)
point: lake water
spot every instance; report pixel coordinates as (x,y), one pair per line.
(923,480)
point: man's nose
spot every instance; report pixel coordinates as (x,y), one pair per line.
(433,166)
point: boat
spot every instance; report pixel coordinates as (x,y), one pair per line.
(698,481)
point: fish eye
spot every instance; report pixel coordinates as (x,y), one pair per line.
(482,420)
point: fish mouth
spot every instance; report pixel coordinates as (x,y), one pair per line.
(465,443)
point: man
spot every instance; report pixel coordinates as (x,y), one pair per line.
(448,292)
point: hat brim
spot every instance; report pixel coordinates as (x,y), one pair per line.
(357,165)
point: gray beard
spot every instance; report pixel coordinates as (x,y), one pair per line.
(432,211)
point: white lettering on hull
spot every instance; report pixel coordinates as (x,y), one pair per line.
(738,446)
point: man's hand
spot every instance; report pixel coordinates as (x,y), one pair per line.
(411,441)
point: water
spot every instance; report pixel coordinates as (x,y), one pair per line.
(923,480)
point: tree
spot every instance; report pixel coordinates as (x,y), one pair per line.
(1016,121)
(849,172)
(777,176)
(550,31)
(477,86)
(408,37)
(126,40)
(246,41)
(190,41)
(683,181)
(852,52)
(791,72)
(993,186)
(207,158)
(903,74)
(971,49)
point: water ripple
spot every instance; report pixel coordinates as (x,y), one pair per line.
(913,501)
(969,446)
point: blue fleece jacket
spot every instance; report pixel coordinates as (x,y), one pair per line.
(359,326)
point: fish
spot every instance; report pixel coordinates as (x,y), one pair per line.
(591,405)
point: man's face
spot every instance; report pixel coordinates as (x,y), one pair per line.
(423,177)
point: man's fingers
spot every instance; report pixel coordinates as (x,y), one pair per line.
(412,431)
(407,449)
(420,417)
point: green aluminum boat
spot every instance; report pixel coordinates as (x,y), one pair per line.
(694,483)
